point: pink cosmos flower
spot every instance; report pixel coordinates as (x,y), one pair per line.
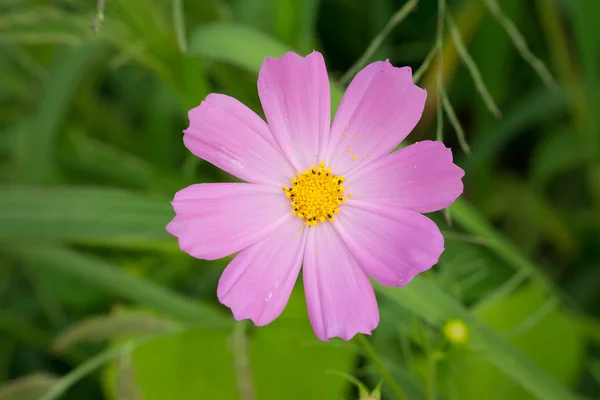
(330,198)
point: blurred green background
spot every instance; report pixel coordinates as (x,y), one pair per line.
(97,301)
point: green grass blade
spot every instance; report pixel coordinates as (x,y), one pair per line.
(471,66)
(532,109)
(113,326)
(473,222)
(35,145)
(179,24)
(394,21)
(520,44)
(425,64)
(66,382)
(85,215)
(243,47)
(372,355)
(29,387)
(460,133)
(235,44)
(111,279)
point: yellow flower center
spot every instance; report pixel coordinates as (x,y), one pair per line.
(316,194)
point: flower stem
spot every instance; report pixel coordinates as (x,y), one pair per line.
(372,355)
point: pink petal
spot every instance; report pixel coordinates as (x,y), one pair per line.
(258,282)
(294,93)
(215,220)
(379,109)
(339,295)
(391,244)
(229,135)
(420,177)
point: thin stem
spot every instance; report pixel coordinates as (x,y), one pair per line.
(466,58)
(92,364)
(179,24)
(503,290)
(241,361)
(521,45)
(67,381)
(396,19)
(460,133)
(465,237)
(97,24)
(423,68)
(372,355)
(439,135)
(431,382)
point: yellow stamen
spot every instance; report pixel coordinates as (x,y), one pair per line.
(316,195)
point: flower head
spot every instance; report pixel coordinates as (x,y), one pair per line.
(327,197)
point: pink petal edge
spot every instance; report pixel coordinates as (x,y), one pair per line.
(294,92)
(380,108)
(339,296)
(391,245)
(229,135)
(420,177)
(258,282)
(215,220)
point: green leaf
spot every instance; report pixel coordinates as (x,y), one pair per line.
(294,22)
(243,47)
(532,109)
(235,44)
(530,217)
(96,158)
(286,354)
(269,361)
(585,29)
(473,222)
(194,364)
(104,276)
(558,153)
(554,330)
(85,215)
(43,25)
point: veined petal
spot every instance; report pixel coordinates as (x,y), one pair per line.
(294,92)
(258,282)
(380,108)
(229,135)
(420,177)
(215,220)
(392,245)
(339,295)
